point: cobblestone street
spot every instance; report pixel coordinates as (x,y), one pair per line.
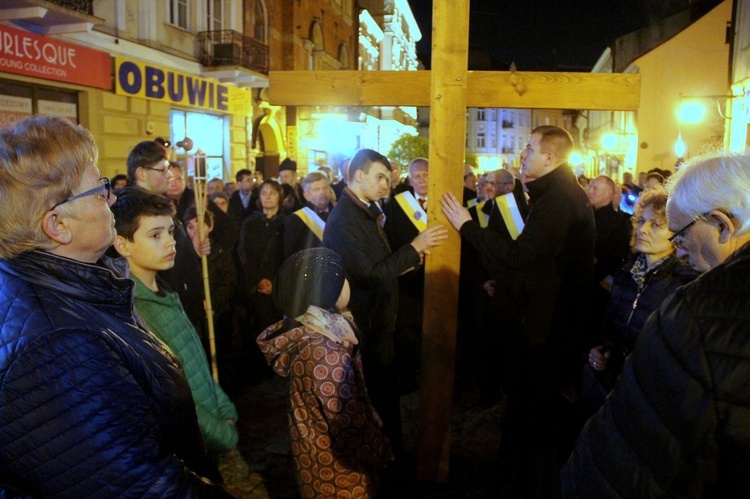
(262,466)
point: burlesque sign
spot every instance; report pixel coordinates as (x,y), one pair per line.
(28,54)
(138,79)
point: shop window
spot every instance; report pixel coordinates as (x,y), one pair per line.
(207,132)
(19,100)
(179,13)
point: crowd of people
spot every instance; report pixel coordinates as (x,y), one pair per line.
(619,364)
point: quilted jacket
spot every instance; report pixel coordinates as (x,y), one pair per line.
(91,404)
(678,421)
(165,317)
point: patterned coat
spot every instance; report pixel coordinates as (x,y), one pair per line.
(335,433)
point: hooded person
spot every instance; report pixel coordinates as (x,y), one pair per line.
(335,433)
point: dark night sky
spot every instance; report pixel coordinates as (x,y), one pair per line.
(563,35)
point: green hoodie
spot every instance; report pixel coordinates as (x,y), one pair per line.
(166,319)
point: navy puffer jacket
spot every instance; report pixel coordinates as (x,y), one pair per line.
(678,421)
(91,404)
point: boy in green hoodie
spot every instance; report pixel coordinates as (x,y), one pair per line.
(145,238)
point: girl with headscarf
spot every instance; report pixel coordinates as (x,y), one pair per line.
(335,433)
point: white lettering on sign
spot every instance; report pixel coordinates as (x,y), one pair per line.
(26,47)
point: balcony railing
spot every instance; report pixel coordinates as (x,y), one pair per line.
(231,48)
(82,6)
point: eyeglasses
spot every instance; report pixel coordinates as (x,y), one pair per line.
(101,188)
(678,239)
(504,182)
(163,171)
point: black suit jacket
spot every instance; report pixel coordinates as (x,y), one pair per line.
(401,232)
(297,236)
(238,212)
(372,270)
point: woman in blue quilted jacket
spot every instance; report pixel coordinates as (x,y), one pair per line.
(91,404)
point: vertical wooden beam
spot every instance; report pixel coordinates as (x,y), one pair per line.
(450,40)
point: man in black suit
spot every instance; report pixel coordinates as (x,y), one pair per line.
(401,227)
(242,202)
(304,228)
(353,231)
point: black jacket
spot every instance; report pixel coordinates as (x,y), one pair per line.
(238,212)
(548,268)
(612,245)
(297,236)
(260,249)
(401,231)
(91,404)
(677,423)
(372,270)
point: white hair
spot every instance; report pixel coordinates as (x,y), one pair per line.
(716,181)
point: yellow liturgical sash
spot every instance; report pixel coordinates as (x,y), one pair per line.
(412,209)
(508,207)
(312,220)
(484,218)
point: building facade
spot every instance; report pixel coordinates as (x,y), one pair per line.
(683,63)
(160,73)
(738,127)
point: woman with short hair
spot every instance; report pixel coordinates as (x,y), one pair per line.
(91,404)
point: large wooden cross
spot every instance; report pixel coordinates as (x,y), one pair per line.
(448,89)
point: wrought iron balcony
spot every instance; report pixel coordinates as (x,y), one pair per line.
(231,48)
(82,6)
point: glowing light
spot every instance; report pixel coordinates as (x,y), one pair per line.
(679,147)
(691,112)
(609,141)
(575,159)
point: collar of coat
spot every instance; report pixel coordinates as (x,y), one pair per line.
(545,183)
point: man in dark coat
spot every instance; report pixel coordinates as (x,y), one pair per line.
(304,228)
(677,423)
(288,176)
(401,230)
(242,202)
(354,231)
(612,247)
(546,271)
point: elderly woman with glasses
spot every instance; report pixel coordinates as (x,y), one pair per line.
(91,404)
(677,424)
(638,289)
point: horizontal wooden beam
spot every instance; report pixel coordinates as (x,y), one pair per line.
(501,89)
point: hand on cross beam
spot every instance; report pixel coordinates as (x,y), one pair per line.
(456,214)
(434,236)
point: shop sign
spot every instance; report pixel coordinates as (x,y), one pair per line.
(138,79)
(28,54)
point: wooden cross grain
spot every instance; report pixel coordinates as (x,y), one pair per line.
(448,90)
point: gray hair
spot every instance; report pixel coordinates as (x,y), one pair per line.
(716,181)
(42,161)
(313,177)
